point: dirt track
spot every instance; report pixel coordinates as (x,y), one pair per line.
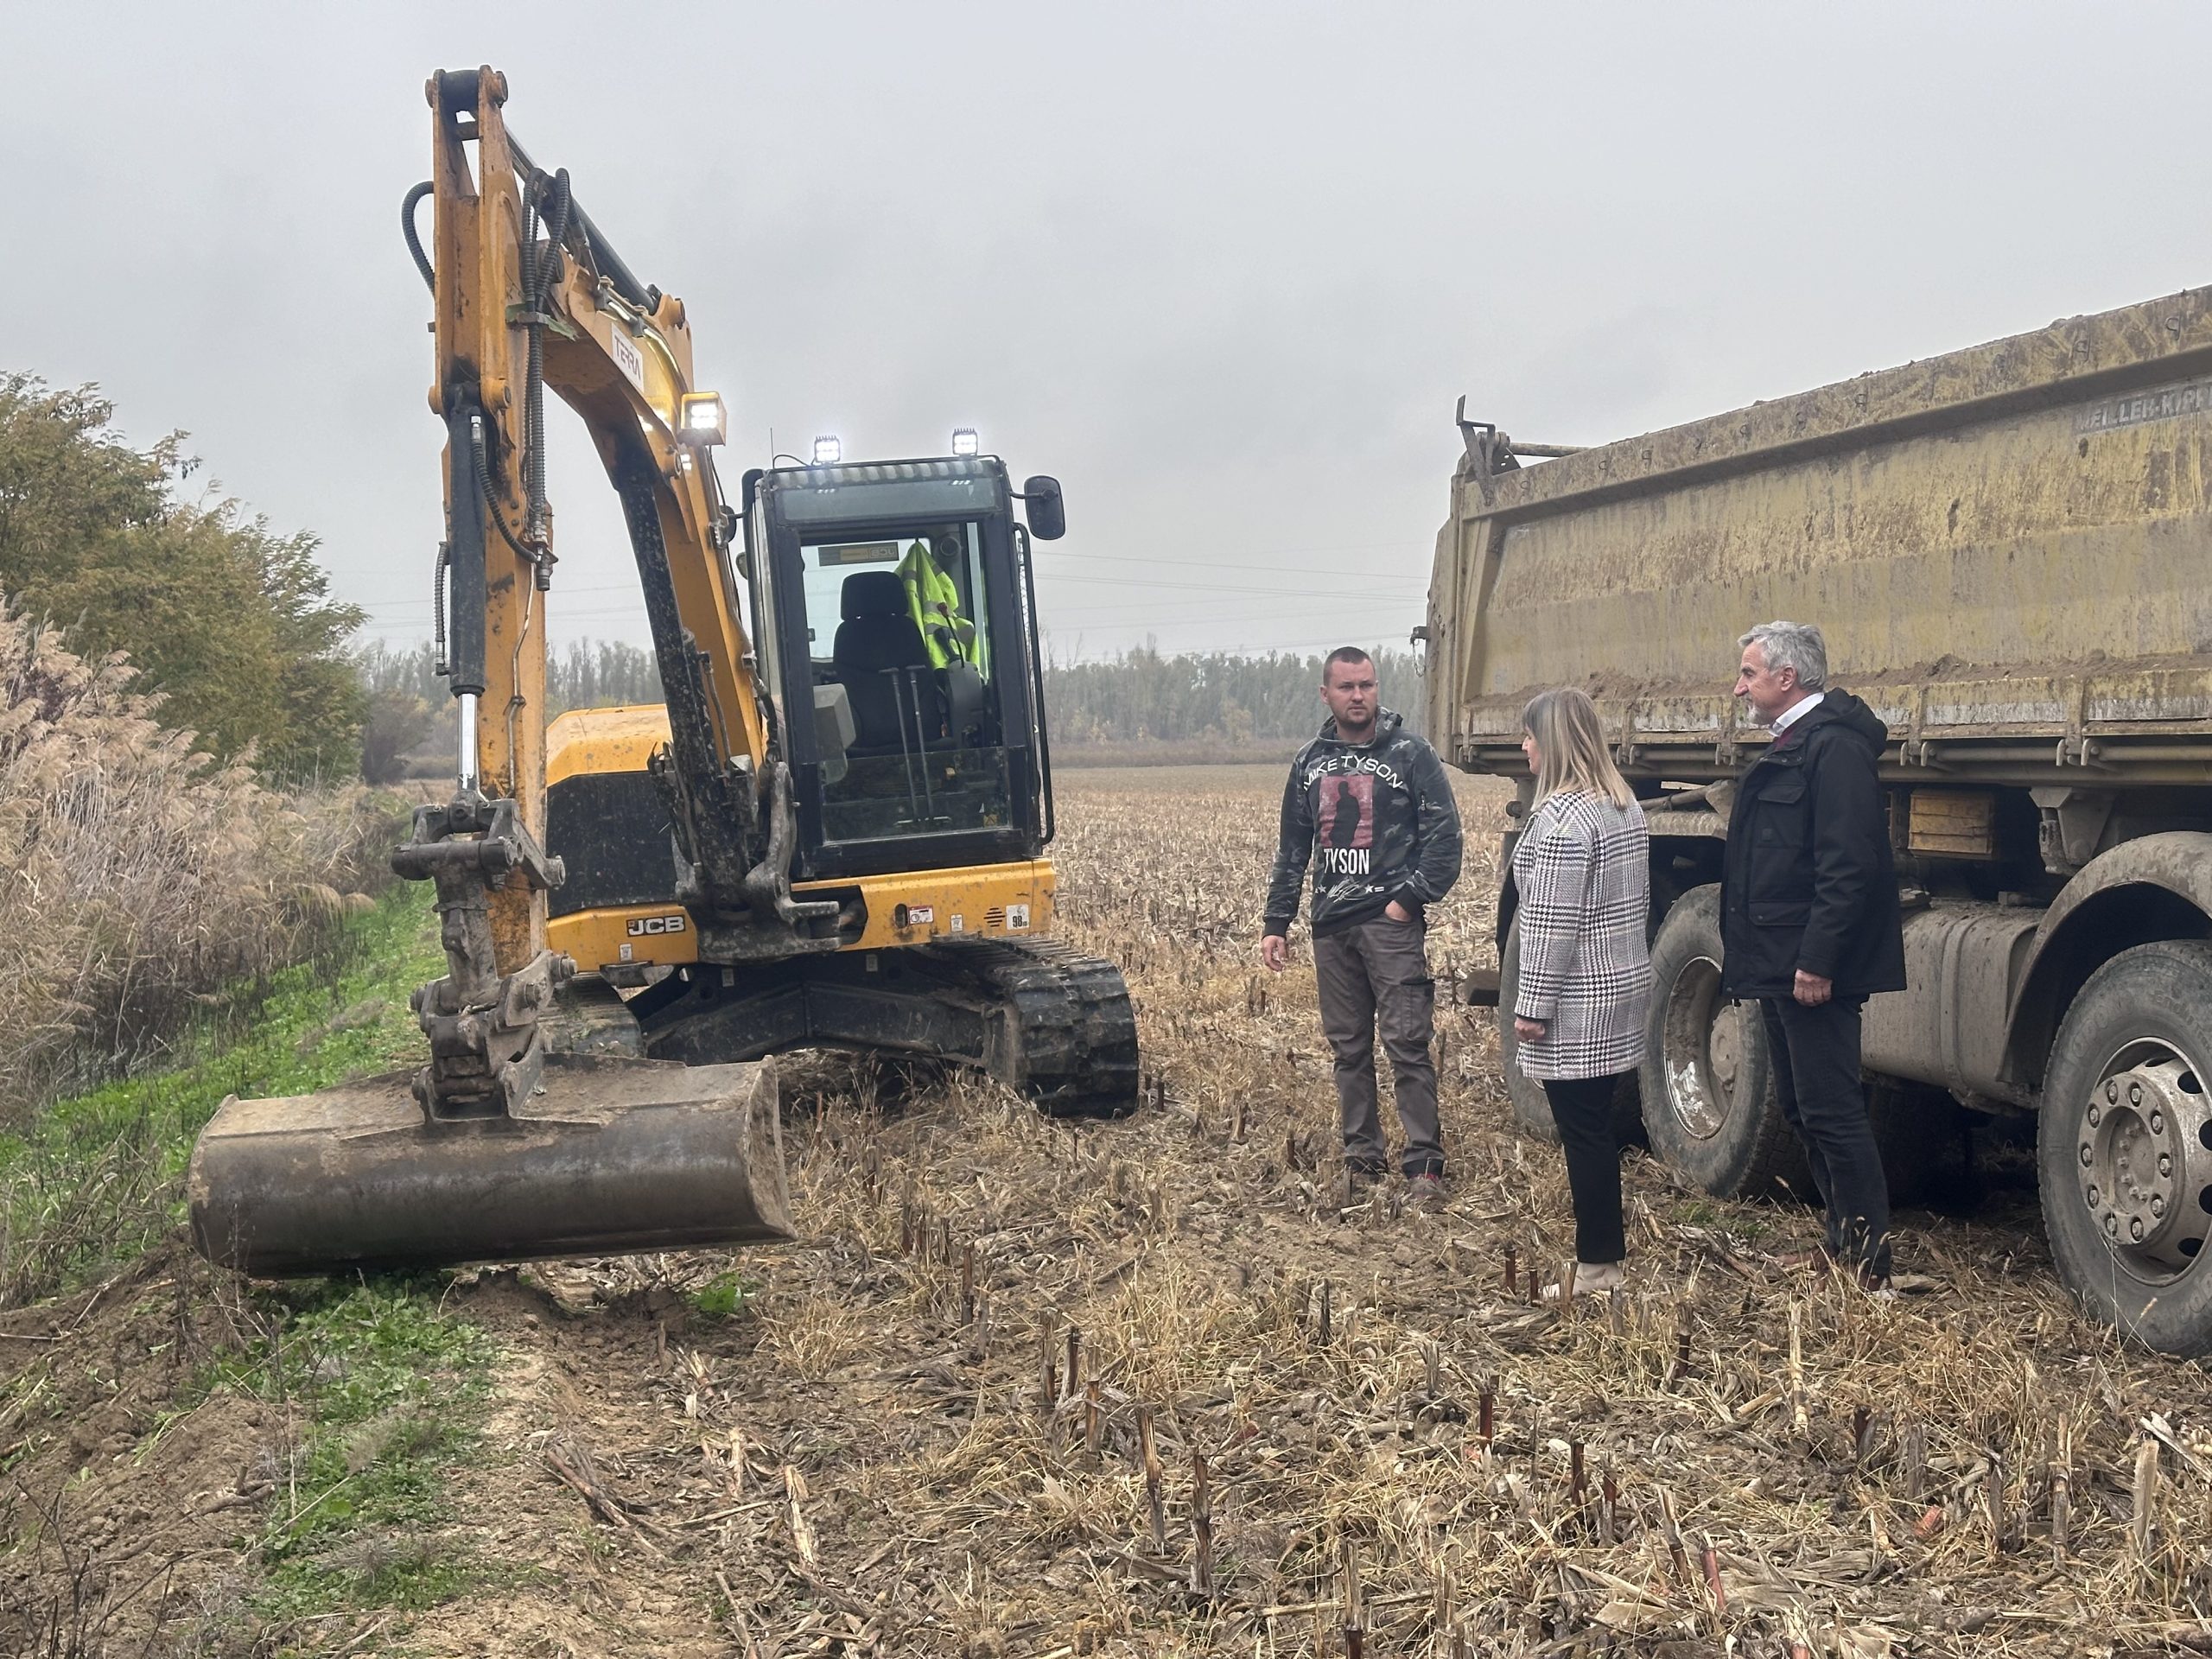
(863,1459)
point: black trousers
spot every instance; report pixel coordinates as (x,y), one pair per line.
(1582,1108)
(1815,1052)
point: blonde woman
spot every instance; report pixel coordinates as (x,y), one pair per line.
(1582,868)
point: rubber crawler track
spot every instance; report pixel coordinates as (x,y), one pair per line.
(1072,1035)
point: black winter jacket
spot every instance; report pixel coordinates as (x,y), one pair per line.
(1808,881)
(1382,816)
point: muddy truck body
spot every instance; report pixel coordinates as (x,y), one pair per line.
(2009,549)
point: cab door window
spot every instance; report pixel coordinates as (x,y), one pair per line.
(907,709)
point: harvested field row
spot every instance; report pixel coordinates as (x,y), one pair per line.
(1036,1388)
(1045,1390)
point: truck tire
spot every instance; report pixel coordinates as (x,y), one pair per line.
(1709,1105)
(1532,1108)
(2124,1146)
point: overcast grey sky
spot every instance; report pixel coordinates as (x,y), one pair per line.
(1221,268)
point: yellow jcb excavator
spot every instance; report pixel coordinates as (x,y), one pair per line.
(832,833)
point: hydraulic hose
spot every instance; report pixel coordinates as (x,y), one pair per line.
(483,469)
(438,605)
(545,262)
(414,241)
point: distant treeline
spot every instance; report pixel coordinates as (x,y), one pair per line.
(408,700)
(1142,696)
(586,674)
(1138,697)
(232,624)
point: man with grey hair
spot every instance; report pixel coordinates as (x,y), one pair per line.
(1809,920)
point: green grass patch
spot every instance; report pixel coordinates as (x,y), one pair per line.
(97,1178)
(724,1296)
(387,1393)
(391,1392)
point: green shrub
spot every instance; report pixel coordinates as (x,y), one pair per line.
(230,624)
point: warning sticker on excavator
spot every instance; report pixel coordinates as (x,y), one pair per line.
(1017,918)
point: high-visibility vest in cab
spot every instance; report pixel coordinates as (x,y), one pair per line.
(934,602)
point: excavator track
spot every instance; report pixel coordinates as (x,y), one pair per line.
(1069,1036)
(1046,1021)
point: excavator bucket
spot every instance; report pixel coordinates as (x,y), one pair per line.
(608,1156)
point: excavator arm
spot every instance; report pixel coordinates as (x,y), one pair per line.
(530,297)
(497,1149)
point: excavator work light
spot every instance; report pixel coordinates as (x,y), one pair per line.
(964,441)
(828,452)
(704,419)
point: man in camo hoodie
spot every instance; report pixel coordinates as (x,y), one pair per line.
(1373,801)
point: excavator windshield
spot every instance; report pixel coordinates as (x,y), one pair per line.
(893,588)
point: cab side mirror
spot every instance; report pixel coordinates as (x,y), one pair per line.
(1040,499)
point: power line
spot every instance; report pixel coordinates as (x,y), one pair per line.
(1188,615)
(1225,564)
(1293,648)
(1195,587)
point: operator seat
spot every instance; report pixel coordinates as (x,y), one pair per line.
(877,633)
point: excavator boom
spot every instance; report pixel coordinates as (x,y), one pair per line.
(498,1149)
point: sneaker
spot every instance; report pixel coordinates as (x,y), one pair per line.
(1425,1190)
(1359,1177)
(1593,1279)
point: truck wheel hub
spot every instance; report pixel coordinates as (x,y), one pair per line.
(2145,1169)
(1725,1048)
(1703,1048)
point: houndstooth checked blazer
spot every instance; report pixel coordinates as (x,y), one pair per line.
(1583,869)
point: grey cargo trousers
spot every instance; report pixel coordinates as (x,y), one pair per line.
(1373,975)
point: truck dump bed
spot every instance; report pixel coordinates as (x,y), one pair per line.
(2007,548)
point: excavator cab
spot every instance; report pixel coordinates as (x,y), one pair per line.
(895,641)
(901,649)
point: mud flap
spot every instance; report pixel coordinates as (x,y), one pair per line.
(610,1156)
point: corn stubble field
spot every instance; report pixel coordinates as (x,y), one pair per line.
(1040,1389)
(1192,1403)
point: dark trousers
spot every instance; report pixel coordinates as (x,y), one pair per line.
(1374,974)
(1582,1108)
(1815,1052)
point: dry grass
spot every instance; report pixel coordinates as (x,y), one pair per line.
(1035,1390)
(1869,1477)
(141,876)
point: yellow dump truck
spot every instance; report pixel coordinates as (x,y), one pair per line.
(2010,550)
